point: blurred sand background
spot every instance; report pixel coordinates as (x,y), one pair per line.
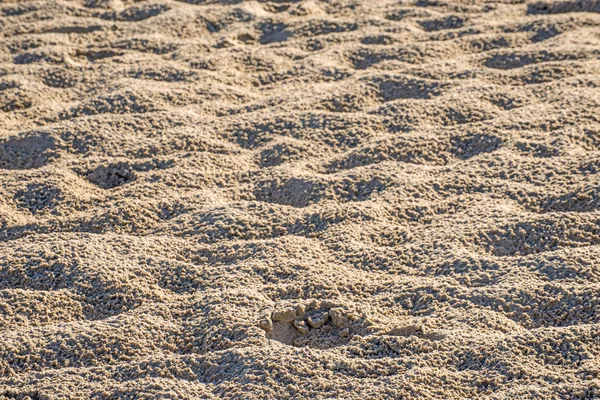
(329,199)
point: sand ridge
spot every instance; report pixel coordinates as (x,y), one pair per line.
(299,199)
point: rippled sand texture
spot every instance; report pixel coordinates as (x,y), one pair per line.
(299,199)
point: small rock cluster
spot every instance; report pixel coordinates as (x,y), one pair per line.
(310,315)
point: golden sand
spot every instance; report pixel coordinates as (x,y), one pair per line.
(334,199)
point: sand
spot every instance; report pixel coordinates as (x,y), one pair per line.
(327,199)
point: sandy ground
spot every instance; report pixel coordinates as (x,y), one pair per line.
(335,199)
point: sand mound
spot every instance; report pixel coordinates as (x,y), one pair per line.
(299,199)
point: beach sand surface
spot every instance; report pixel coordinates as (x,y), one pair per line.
(327,199)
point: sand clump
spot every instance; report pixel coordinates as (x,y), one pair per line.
(299,199)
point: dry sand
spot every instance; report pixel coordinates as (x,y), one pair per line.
(335,199)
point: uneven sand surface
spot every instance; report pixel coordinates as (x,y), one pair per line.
(329,199)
